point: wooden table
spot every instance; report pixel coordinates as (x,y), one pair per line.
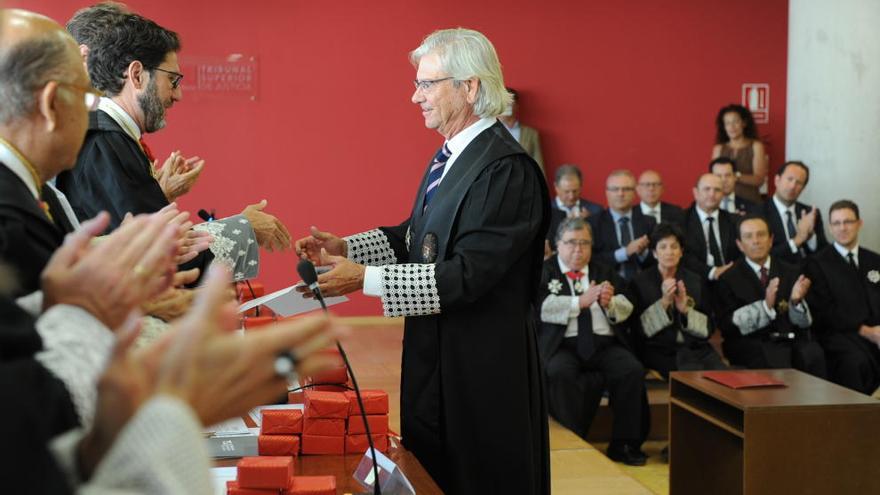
(810,437)
(343,467)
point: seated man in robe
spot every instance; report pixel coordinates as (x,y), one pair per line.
(846,300)
(585,346)
(764,316)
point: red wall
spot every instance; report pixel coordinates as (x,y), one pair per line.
(333,140)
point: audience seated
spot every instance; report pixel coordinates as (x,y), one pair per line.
(527,136)
(724,168)
(621,231)
(650,190)
(736,137)
(762,310)
(582,335)
(670,302)
(845,298)
(796,227)
(710,234)
(568,202)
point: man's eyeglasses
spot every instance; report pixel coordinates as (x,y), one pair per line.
(91,96)
(844,223)
(577,243)
(615,189)
(175,77)
(650,184)
(427,84)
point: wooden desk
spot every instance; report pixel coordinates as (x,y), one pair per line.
(343,467)
(810,437)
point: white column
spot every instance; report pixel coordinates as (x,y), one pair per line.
(833,107)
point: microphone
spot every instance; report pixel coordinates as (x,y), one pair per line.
(204,215)
(309,275)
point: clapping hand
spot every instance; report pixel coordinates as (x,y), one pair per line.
(590,295)
(606,295)
(667,292)
(799,290)
(770,292)
(681,297)
(178,175)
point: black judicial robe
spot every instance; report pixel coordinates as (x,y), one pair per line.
(112,173)
(36,408)
(27,237)
(473,409)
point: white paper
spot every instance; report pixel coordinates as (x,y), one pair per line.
(234,426)
(256,413)
(221,475)
(289,302)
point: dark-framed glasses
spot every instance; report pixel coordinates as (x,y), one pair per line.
(175,77)
(427,84)
(577,243)
(843,223)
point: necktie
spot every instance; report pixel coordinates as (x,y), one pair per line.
(714,247)
(628,268)
(852,261)
(765,277)
(147,151)
(789,224)
(436,172)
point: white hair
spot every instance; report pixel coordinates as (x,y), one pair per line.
(465,53)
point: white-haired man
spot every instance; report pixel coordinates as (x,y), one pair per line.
(463,269)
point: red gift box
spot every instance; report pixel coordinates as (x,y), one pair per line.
(295,397)
(330,388)
(375,402)
(278,445)
(378,424)
(232,488)
(327,427)
(312,485)
(252,322)
(281,422)
(331,375)
(322,445)
(326,404)
(244,292)
(357,444)
(265,472)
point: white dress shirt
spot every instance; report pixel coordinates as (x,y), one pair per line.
(651,211)
(845,252)
(703,216)
(783,209)
(373,274)
(600,323)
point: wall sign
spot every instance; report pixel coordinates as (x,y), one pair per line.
(756,97)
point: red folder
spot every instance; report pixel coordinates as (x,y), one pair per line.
(743,379)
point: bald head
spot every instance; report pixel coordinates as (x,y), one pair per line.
(707,193)
(42,87)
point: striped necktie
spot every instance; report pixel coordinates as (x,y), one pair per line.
(438,164)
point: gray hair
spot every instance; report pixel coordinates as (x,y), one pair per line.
(567,170)
(465,53)
(573,223)
(26,66)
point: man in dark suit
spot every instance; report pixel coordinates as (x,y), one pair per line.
(796,227)
(710,234)
(846,300)
(650,189)
(463,269)
(584,344)
(763,314)
(724,168)
(37,141)
(621,232)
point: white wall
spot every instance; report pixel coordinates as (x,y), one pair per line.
(833,108)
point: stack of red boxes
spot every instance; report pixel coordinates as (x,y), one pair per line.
(274,475)
(376,410)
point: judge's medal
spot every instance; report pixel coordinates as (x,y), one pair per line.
(429,248)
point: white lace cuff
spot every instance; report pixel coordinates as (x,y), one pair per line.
(557,309)
(409,290)
(751,317)
(370,248)
(159,451)
(619,309)
(235,244)
(32,303)
(697,324)
(654,319)
(800,315)
(75,349)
